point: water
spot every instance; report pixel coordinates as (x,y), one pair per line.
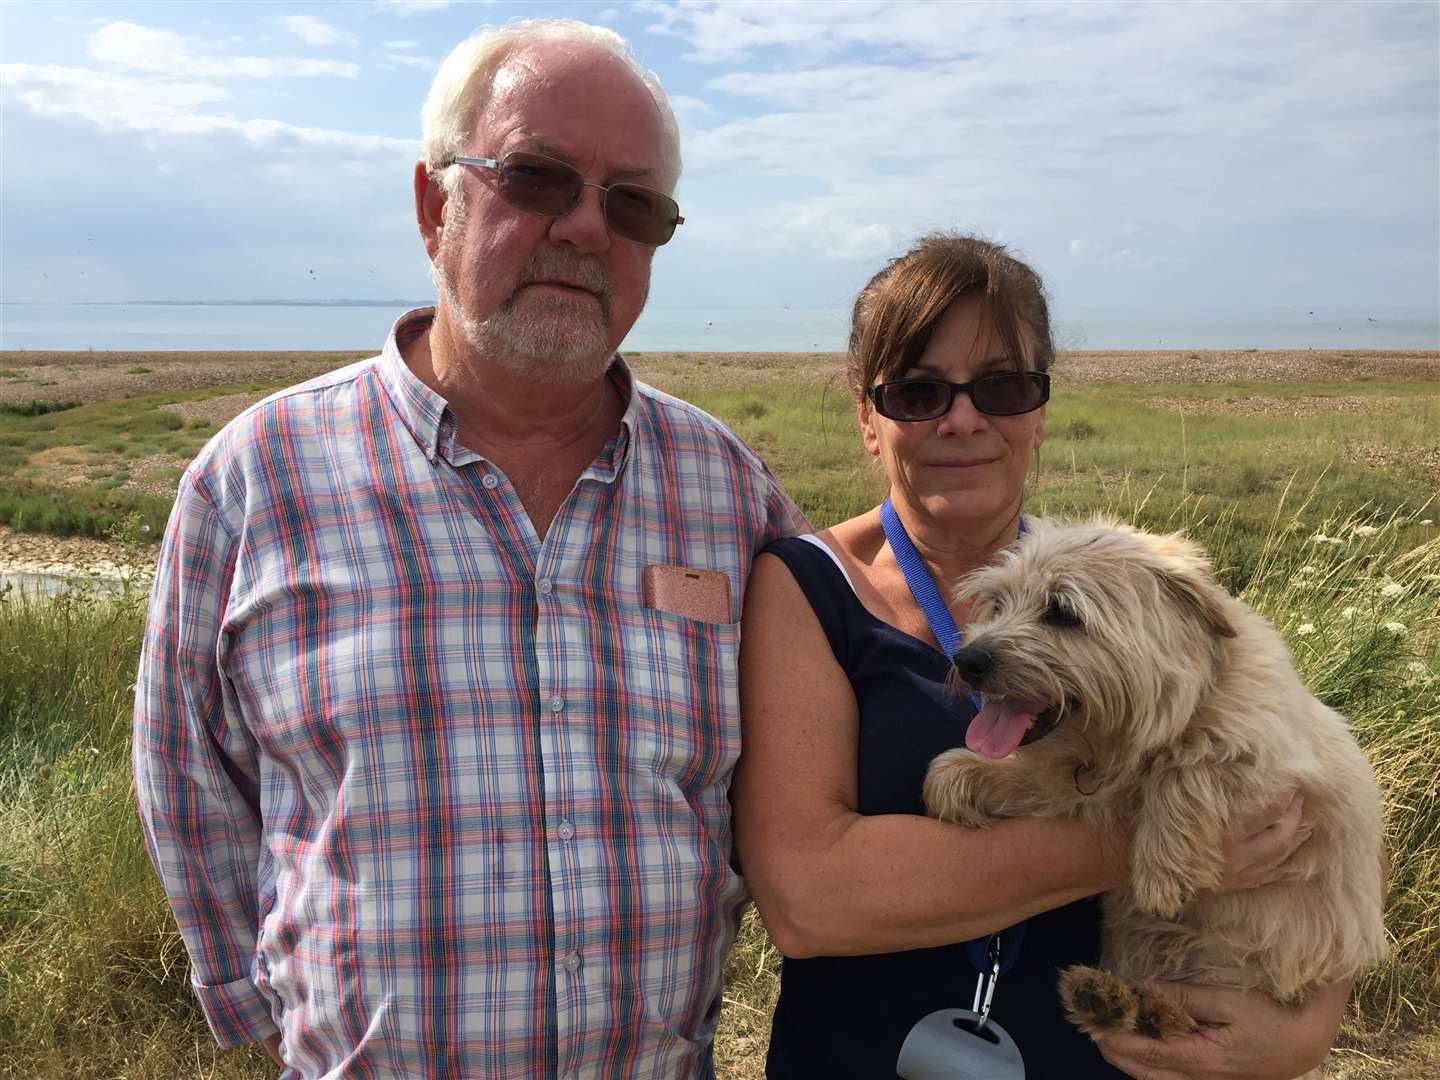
(362,326)
(43,586)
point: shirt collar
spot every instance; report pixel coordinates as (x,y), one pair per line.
(428,417)
(421,409)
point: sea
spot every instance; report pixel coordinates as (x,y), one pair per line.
(362,325)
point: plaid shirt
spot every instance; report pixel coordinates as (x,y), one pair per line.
(435,797)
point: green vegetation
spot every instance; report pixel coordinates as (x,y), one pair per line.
(1319,517)
(35,407)
(79,469)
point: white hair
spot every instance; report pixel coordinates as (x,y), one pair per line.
(462,87)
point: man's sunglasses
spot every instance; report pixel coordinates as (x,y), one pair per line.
(542,185)
(1004,393)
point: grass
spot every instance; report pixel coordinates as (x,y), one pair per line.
(1333,549)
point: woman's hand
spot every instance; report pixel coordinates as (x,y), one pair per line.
(1255,850)
(1243,1034)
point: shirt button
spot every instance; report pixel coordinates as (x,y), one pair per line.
(572,963)
(566,830)
(546,586)
(490,480)
(557,703)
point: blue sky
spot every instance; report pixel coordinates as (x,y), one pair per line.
(1140,155)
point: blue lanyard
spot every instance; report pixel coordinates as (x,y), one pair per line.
(983,953)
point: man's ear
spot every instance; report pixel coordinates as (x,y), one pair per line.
(429,208)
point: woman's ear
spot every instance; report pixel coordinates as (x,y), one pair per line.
(869,437)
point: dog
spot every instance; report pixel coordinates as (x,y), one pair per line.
(1123,687)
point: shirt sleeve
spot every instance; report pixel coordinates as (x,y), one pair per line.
(195,771)
(784,517)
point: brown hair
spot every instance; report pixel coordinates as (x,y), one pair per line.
(898,311)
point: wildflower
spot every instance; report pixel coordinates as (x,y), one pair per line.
(1349,613)
(1365,530)
(1392,589)
(1305,629)
(1319,538)
(1399,629)
(1426,521)
(1419,672)
(1308,568)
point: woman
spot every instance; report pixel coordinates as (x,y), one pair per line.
(843,682)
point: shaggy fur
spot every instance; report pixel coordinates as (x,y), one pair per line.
(1176,708)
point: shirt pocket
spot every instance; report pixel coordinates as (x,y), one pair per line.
(679,693)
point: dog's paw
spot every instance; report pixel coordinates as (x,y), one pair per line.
(952,788)
(1158,1015)
(1160,894)
(1097,1002)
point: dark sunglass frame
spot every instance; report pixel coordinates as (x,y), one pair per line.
(985,383)
(656,228)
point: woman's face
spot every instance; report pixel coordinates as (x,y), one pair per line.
(965,468)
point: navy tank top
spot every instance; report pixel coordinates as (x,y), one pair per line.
(847,1016)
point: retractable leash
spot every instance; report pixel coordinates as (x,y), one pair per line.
(956,1044)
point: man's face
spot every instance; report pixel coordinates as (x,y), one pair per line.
(552,296)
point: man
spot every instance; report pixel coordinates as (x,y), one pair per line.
(437,706)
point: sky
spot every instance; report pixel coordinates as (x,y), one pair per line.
(1141,156)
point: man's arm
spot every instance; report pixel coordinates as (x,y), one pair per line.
(195,775)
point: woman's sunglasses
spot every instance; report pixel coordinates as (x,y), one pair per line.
(542,185)
(1005,393)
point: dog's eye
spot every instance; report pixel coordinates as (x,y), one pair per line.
(1057,614)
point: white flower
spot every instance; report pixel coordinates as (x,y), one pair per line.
(1392,588)
(1305,628)
(1349,613)
(1426,521)
(1419,672)
(1365,530)
(1308,568)
(1319,538)
(1399,629)
(1336,541)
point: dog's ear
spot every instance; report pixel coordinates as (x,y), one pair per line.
(1185,575)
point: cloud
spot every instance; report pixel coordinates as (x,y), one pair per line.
(313,31)
(1259,104)
(129,46)
(424,63)
(397,46)
(407,8)
(114,103)
(1092,251)
(688,108)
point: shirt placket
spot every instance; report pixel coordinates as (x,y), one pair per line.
(563,725)
(562,627)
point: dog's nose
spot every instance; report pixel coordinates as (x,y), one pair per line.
(973,662)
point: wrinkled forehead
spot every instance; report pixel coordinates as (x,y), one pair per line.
(577,102)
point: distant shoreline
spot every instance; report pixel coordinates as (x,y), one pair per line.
(33,356)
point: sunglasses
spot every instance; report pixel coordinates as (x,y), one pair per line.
(542,185)
(1004,393)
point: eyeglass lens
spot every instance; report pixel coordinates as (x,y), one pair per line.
(1003,394)
(541,185)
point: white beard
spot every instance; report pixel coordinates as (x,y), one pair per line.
(551,339)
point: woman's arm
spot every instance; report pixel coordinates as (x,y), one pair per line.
(829,881)
(1242,1033)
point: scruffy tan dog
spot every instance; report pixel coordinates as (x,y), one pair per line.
(1122,686)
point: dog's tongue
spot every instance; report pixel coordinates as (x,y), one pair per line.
(998,728)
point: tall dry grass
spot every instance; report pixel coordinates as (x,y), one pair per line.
(93,978)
